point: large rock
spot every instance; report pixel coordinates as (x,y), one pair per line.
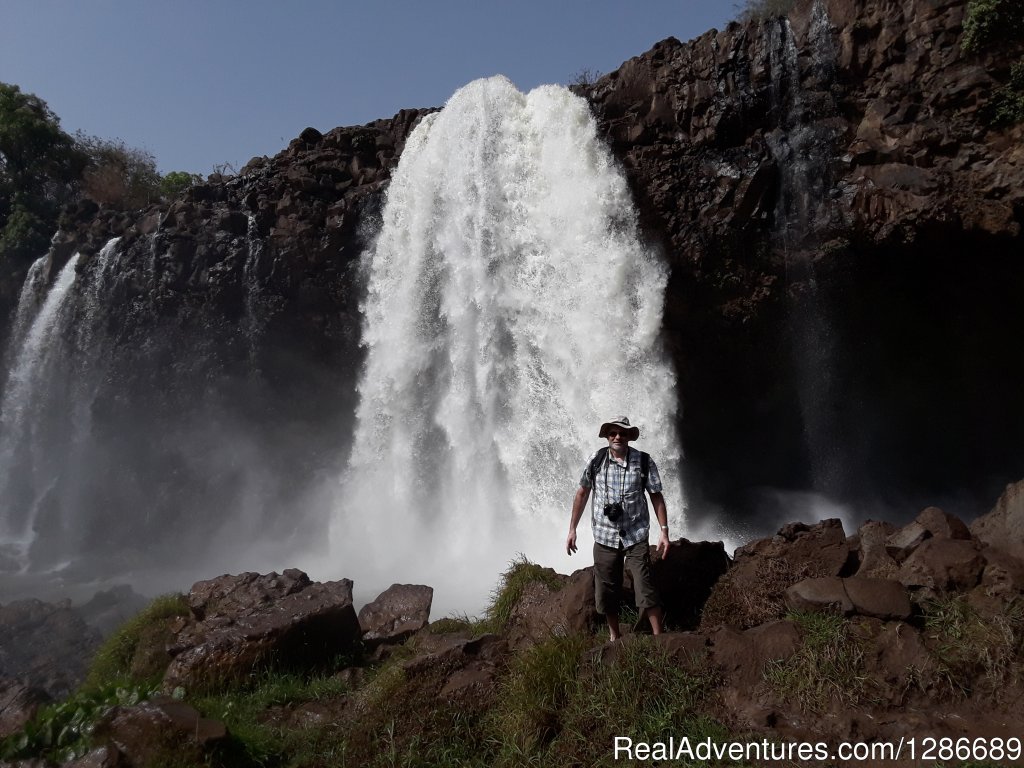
(1003,526)
(751,593)
(685,577)
(48,645)
(18,704)
(875,560)
(160,728)
(879,598)
(398,612)
(250,621)
(943,565)
(543,611)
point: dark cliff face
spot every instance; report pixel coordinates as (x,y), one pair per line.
(843,234)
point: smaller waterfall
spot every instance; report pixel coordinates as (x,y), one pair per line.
(803,146)
(33,293)
(21,484)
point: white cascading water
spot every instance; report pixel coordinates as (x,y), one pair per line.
(18,417)
(511,309)
(29,301)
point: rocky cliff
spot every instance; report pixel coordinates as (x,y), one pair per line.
(843,231)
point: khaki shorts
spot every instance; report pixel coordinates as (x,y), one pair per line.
(608,566)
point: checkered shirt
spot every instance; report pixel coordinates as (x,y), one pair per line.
(624,484)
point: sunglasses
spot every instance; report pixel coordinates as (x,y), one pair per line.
(615,433)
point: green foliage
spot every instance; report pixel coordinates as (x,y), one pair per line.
(990,22)
(61,732)
(118,175)
(828,667)
(756,10)
(113,661)
(39,168)
(175,182)
(506,596)
(260,739)
(560,704)
(1006,106)
(975,653)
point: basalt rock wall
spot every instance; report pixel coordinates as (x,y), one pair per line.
(843,231)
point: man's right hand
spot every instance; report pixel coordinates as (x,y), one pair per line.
(570,543)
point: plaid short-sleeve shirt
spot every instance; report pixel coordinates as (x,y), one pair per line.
(619,481)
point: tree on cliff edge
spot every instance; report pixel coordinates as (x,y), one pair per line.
(39,171)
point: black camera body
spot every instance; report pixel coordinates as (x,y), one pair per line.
(613,511)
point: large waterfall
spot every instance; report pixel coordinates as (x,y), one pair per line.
(511,309)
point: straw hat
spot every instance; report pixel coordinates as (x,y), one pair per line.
(632,433)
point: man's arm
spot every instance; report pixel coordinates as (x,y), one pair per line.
(579,503)
(661,512)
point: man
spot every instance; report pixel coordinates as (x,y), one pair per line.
(621,522)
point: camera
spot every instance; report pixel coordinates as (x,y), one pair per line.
(613,511)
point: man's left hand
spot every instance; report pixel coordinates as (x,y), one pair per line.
(663,545)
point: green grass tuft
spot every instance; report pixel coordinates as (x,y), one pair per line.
(112,663)
(505,598)
(975,653)
(828,668)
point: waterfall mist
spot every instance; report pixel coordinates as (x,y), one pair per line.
(510,310)
(138,444)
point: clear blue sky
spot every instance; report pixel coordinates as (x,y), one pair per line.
(201,82)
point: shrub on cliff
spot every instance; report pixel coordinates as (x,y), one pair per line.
(755,10)
(39,170)
(990,22)
(117,175)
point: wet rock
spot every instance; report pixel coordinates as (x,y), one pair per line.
(251,621)
(159,728)
(18,704)
(397,613)
(48,645)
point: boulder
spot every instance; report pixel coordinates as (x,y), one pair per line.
(47,645)
(685,577)
(470,665)
(1004,574)
(159,728)
(543,612)
(253,621)
(875,561)
(1003,526)
(820,594)
(943,565)
(752,591)
(18,704)
(741,655)
(398,612)
(879,598)
(903,542)
(943,525)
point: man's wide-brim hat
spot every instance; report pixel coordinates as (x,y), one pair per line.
(632,433)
